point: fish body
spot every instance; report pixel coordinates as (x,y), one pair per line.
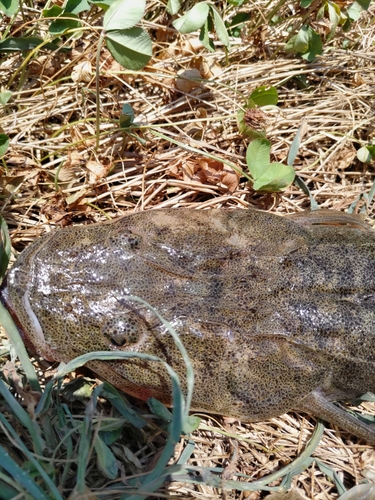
(276,313)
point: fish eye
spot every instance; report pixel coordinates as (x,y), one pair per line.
(122,330)
(124,239)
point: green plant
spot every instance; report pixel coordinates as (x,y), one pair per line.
(307,42)
(267,176)
(202,16)
(366,154)
(9,7)
(251,120)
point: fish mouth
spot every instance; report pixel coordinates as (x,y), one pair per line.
(8,304)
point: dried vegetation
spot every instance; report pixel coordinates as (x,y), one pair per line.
(185,102)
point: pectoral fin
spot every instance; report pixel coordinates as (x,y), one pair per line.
(317,405)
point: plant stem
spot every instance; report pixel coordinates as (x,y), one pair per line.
(100,44)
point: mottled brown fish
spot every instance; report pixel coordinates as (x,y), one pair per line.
(276,313)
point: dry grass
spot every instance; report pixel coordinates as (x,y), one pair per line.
(53,175)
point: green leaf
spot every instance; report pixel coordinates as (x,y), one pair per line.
(4,144)
(305,3)
(24,43)
(258,156)
(307,43)
(64,23)
(122,405)
(301,43)
(205,39)
(77,6)
(300,183)
(296,143)
(357,492)
(5,247)
(366,154)
(346,27)
(238,23)
(355,9)
(220,28)
(315,46)
(193,19)
(127,116)
(111,436)
(173,6)
(15,338)
(191,424)
(9,7)
(264,96)
(334,17)
(107,462)
(159,409)
(102,4)
(54,11)
(237,3)
(289,46)
(4,97)
(365,4)
(124,14)
(275,177)
(132,48)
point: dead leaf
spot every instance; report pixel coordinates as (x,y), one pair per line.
(191,46)
(97,170)
(74,159)
(55,209)
(80,142)
(208,68)
(207,171)
(344,157)
(43,65)
(255,118)
(187,48)
(19,159)
(293,494)
(322,26)
(187,80)
(73,167)
(82,72)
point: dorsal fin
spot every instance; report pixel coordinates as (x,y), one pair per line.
(326,217)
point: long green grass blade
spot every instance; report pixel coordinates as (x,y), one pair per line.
(20,476)
(181,347)
(15,338)
(35,462)
(24,418)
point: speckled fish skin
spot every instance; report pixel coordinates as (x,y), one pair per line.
(276,313)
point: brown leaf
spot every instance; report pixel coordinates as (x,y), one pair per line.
(19,159)
(188,80)
(82,72)
(44,65)
(81,142)
(206,171)
(209,69)
(97,170)
(55,210)
(293,494)
(255,118)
